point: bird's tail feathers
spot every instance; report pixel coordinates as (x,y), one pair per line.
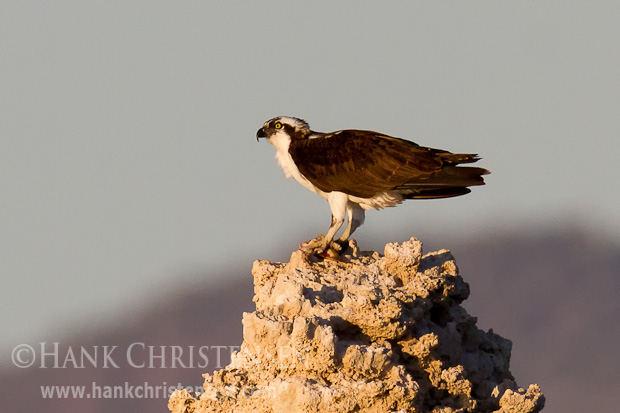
(457,158)
(435,193)
(450,181)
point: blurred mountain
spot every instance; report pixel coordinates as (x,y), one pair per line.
(555,295)
(552,291)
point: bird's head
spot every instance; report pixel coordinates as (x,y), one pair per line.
(283,127)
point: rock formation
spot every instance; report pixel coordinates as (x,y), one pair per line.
(368,333)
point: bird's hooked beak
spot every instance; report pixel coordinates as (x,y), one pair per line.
(260,134)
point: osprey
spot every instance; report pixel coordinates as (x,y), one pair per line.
(357,170)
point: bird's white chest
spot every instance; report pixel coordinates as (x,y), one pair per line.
(282,141)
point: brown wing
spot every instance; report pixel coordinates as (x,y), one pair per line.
(364,163)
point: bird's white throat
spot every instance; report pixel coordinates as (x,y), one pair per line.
(281,140)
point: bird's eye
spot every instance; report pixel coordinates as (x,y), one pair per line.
(278,125)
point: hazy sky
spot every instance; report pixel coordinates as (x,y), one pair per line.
(128,156)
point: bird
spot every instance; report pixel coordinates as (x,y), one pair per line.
(359,170)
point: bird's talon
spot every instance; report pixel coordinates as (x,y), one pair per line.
(336,246)
(320,247)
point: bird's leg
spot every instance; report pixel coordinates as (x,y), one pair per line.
(347,231)
(337,204)
(325,244)
(356,219)
(331,232)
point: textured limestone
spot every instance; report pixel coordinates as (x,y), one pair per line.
(377,333)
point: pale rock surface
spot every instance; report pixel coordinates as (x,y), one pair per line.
(370,333)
